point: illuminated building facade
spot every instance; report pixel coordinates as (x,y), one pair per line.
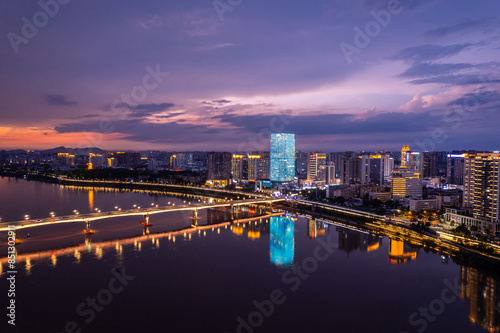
(316,167)
(406,184)
(246,167)
(97,161)
(482,186)
(174,165)
(282,157)
(126,158)
(405,156)
(239,167)
(66,159)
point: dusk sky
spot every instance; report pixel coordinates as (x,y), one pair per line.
(204,75)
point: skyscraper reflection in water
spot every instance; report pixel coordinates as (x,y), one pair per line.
(482,293)
(282,240)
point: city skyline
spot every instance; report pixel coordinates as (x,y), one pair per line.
(340,75)
(248,166)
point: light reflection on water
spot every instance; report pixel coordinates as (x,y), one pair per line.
(282,240)
(479,289)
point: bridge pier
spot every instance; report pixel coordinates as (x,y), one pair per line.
(194,218)
(87,229)
(146,223)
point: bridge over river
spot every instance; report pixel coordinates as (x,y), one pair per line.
(146,212)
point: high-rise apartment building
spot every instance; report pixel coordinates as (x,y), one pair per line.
(246,167)
(434,164)
(414,162)
(239,167)
(219,168)
(301,159)
(330,173)
(282,157)
(482,186)
(375,168)
(348,169)
(455,170)
(364,169)
(316,167)
(263,165)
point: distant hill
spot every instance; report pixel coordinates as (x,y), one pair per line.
(62,149)
(74,150)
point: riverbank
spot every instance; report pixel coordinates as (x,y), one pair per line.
(433,242)
(177,188)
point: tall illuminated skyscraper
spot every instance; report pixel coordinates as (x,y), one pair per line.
(282,157)
(404,156)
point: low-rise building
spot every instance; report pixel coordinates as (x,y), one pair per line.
(463,216)
(423,204)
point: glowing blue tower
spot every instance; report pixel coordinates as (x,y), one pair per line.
(282,157)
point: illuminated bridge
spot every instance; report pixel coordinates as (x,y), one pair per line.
(87,218)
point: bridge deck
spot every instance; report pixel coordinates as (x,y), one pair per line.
(4,226)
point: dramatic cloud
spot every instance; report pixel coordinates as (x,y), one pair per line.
(231,79)
(429,52)
(444,30)
(140,110)
(392,122)
(459,80)
(429,69)
(480,97)
(60,100)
